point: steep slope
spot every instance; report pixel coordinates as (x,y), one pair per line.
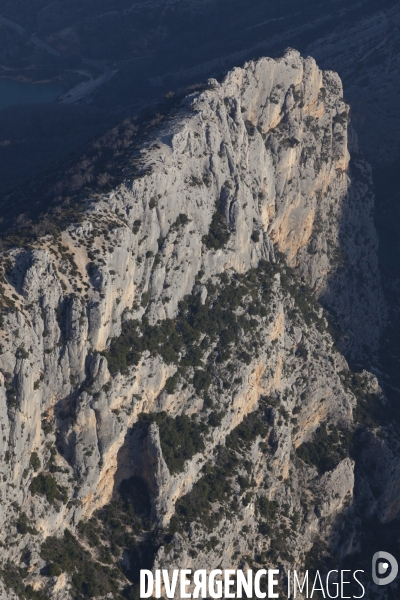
(171,339)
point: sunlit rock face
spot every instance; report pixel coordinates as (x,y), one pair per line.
(247,191)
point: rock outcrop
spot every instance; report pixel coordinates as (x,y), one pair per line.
(241,210)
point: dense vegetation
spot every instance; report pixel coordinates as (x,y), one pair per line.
(369,410)
(213,496)
(301,293)
(13,579)
(113,527)
(180,438)
(327,448)
(111,534)
(89,579)
(186,340)
(219,231)
(24,526)
(45,485)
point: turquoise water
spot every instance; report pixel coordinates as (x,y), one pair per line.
(17,92)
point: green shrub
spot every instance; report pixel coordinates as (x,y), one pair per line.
(215,418)
(89,579)
(201,381)
(208,401)
(53,570)
(136,337)
(145,299)
(182,219)
(219,232)
(326,449)
(23,525)
(171,383)
(244,357)
(213,487)
(34,461)
(244,482)
(244,434)
(177,340)
(255,236)
(267,508)
(247,498)
(22,353)
(13,579)
(86,529)
(265,528)
(181,438)
(369,409)
(46,485)
(302,351)
(136,226)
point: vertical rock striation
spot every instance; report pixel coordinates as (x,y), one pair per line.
(245,194)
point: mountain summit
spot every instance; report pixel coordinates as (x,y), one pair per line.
(170,372)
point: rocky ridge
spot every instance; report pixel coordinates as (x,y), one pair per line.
(190,291)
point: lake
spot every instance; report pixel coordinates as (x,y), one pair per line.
(18,92)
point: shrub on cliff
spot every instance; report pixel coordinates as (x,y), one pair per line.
(219,232)
(46,485)
(34,461)
(326,449)
(180,438)
(89,578)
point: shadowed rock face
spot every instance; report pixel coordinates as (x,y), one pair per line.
(246,205)
(365,55)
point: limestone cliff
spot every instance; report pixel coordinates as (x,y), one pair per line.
(190,291)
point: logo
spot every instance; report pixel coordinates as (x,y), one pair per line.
(384,568)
